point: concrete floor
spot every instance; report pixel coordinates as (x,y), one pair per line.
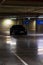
(23,50)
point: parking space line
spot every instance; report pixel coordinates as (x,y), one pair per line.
(20,59)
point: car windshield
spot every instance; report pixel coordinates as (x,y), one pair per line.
(17,27)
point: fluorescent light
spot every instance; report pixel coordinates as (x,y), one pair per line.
(13,18)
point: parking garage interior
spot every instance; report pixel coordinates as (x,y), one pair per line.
(26,49)
(22,50)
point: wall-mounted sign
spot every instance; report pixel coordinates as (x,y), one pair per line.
(39,21)
(26,21)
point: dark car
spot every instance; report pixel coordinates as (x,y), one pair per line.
(18,30)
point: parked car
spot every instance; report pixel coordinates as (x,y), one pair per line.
(18,30)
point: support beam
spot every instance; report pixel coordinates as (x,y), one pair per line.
(20,9)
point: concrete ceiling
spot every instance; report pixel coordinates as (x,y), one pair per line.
(21,2)
(18,6)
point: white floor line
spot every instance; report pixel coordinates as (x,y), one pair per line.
(20,59)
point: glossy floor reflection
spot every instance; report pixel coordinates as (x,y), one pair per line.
(6,57)
(28,48)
